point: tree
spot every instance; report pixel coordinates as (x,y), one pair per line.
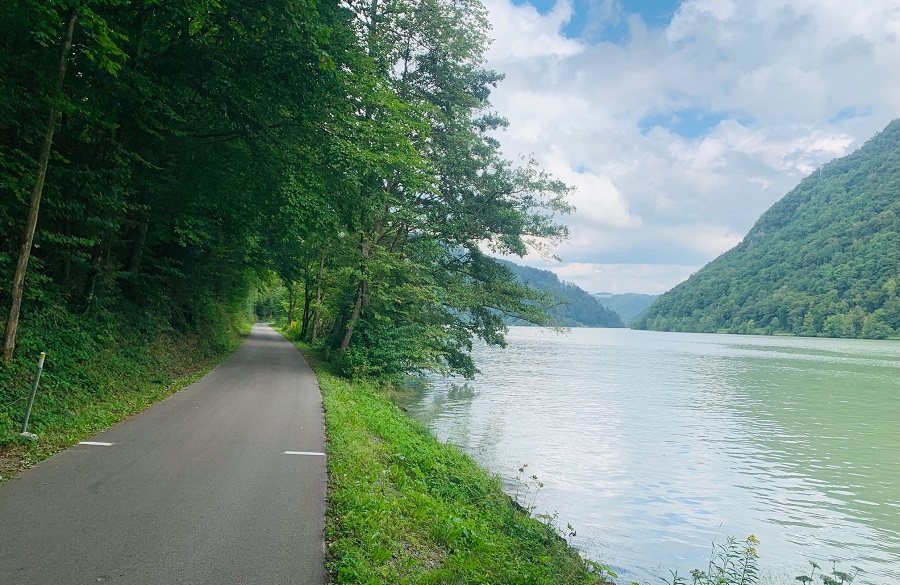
(430,190)
(347,148)
(18,282)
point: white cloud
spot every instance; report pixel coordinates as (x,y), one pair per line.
(778,87)
(708,240)
(622,278)
(596,198)
(524,34)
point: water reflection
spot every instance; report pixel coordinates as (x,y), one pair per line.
(654,444)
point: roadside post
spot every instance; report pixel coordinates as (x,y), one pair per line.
(37,379)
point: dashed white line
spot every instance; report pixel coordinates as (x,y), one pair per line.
(314,453)
(97,443)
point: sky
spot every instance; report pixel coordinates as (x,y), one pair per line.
(680,122)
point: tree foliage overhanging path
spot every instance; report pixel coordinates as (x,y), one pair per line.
(346,147)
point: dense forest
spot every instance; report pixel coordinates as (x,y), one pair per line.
(626,305)
(173,158)
(570,305)
(823,261)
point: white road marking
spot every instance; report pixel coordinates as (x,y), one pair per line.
(97,443)
(305,453)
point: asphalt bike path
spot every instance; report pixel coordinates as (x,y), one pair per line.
(222,483)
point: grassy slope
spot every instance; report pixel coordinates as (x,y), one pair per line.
(100,369)
(405,508)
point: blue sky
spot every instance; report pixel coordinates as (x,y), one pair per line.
(687,122)
(597,21)
(679,123)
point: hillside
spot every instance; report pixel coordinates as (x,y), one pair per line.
(574,306)
(626,305)
(823,261)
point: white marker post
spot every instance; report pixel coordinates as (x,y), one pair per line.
(37,379)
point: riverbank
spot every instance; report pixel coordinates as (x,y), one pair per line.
(656,444)
(405,508)
(100,369)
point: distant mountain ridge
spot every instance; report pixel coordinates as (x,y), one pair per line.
(822,261)
(575,306)
(626,305)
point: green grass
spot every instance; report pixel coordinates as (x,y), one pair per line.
(405,508)
(100,369)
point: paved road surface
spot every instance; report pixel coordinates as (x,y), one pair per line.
(197,489)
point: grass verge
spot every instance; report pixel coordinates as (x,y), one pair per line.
(405,508)
(99,371)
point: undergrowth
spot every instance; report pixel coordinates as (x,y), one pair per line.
(102,366)
(731,563)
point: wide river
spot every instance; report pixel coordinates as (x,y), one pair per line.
(654,445)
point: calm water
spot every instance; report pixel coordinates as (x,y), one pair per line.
(652,445)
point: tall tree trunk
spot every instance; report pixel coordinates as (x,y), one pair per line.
(18,284)
(354,316)
(292,301)
(91,287)
(137,248)
(361,293)
(317,315)
(307,301)
(307,282)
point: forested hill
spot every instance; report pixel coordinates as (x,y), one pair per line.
(626,305)
(573,307)
(823,261)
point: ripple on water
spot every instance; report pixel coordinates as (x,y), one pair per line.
(653,445)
